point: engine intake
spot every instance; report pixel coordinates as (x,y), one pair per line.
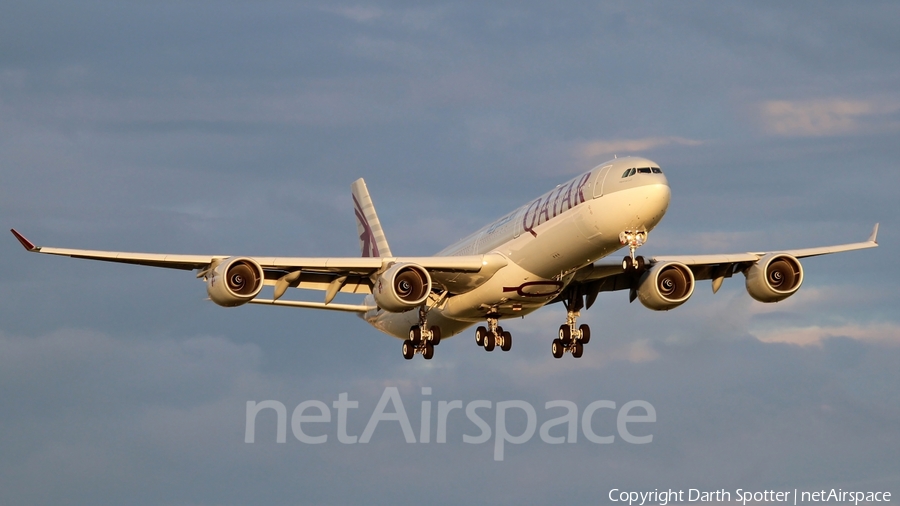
(402,287)
(665,286)
(234,281)
(774,277)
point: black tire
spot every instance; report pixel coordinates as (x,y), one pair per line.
(489,342)
(585,334)
(627,265)
(557,348)
(640,264)
(408,349)
(480,332)
(415,334)
(435,335)
(429,352)
(507,341)
(578,350)
(565,334)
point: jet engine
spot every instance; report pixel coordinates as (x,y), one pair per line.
(234,281)
(402,287)
(665,286)
(774,277)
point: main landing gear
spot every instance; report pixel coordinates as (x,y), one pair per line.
(421,339)
(572,337)
(493,335)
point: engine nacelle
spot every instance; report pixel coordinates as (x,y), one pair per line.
(665,286)
(234,281)
(774,277)
(402,287)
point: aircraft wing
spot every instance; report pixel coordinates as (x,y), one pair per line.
(609,275)
(455,274)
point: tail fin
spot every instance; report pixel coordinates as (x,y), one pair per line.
(371,236)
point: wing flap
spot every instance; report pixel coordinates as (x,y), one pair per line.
(322,281)
(352,308)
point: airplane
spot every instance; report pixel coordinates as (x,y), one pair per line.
(555,248)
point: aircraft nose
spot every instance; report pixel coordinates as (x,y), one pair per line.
(654,202)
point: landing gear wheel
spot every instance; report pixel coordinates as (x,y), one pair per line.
(585,334)
(408,349)
(565,334)
(578,350)
(429,351)
(629,266)
(480,332)
(557,348)
(507,341)
(415,334)
(435,335)
(489,342)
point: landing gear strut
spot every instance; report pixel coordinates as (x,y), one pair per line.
(422,339)
(493,335)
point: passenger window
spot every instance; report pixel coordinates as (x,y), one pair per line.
(645,170)
(625,174)
(656,170)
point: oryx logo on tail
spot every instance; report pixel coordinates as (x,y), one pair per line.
(366,238)
(371,236)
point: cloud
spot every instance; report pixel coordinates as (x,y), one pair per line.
(410,18)
(592,149)
(823,117)
(888,333)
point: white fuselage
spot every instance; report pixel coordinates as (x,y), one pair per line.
(544,243)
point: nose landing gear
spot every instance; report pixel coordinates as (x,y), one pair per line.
(634,239)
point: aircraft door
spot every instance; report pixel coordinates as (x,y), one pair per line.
(600,179)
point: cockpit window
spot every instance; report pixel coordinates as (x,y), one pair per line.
(642,170)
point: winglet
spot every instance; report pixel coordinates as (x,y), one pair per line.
(874,236)
(25,242)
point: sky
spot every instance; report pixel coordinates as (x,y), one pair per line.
(237,127)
